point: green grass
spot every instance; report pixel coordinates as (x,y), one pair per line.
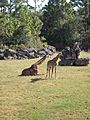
(35,98)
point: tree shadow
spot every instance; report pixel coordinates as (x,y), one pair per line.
(36,79)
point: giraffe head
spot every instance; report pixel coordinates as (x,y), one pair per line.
(59,54)
(56,58)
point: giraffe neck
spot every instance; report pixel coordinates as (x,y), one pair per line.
(56,58)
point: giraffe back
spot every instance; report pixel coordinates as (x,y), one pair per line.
(53,62)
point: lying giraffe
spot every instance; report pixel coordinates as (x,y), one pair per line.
(33,70)
(51,65)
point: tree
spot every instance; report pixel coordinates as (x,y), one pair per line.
(85,12)
(38,4)
(58,17)
(3,5)
(22,27)
(28,29)
(7,27)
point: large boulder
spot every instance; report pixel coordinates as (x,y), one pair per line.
(81,62)
(71,57)
(47,50)
(2,57)
(67,62)
(10,54)
(21,56)
(66,54)
(51,48)
(22,51)
(32,55)
(41,52)
(31,50)
(27,53)
(74,62)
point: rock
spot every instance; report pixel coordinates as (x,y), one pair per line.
(9,53)
(32,55)
(1,51)
(23,51)
(52,48)
(76,49)
(66,54)
(31,50)
(88,50)
(37,55)
(48,50)
(26,53)
(67,62)
(21,56)
(41,52)
(70,57)
(81,62)
(2,56)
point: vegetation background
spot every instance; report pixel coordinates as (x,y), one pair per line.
(58,23)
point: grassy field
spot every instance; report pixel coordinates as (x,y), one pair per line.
(35,98)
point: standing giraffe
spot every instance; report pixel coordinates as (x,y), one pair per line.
(51,65)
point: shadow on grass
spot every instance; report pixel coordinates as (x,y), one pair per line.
(36,79)
(30,75)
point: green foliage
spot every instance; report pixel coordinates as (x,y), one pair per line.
(84,13)
(58,22)
(20,28)
(7,27)
(29,27)
(3,5)
(64,23)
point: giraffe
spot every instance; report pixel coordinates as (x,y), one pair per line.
(51,65)
(33,69)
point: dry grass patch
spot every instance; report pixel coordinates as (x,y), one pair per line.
(35,98)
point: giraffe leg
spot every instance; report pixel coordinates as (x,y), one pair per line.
(55,71)
(52,72)
(47,73)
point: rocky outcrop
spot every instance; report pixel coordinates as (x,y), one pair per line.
(76,62)
(66,62)
(81,62)
(26,53)
(71,57)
